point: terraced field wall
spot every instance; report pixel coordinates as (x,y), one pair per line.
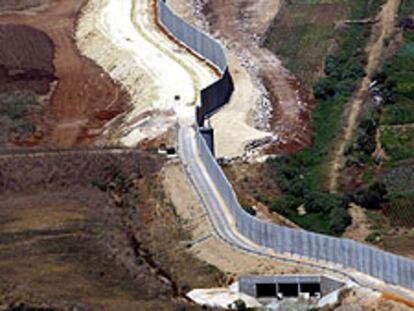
(388,267)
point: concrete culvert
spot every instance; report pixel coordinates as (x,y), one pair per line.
(265,290)
(288,289)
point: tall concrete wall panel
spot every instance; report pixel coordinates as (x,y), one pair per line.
(198,41)
(216,95)
(386,266)
(347,253)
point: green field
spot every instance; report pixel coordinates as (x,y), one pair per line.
(398,142)
(303,36)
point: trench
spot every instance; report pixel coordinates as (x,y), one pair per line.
(140,251)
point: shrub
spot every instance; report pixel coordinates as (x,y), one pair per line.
(339,220)
(100,184)
(286,205)
(16,105)
(371,197)
(317,202)
(240,305)
(324,89)
(249,209)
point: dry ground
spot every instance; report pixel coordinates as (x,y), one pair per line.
(85,98)
(268,104)
(66,244)
(243,24)
(206,245)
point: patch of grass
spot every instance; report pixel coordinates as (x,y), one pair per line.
(398,142)
(302,40)
(406,8)
(317,222)
(369,175)
(401,210)
(293,42)
(16,106)
(401,112)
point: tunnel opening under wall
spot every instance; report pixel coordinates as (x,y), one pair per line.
(266,290)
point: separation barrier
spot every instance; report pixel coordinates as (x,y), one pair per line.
(386,266)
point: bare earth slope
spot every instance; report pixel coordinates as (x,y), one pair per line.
(92,230)
(242,24)
(85,97)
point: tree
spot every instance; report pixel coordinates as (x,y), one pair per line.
(339,220)
(319,202)
(324,88)
(371,197)
(240,305)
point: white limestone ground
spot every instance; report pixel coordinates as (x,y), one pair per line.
(221,298)
(120,36)
(234,123)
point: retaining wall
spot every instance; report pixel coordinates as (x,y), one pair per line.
(347,253)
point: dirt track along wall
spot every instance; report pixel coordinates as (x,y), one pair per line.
(388,267)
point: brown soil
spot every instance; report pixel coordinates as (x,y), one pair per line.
(360,227)
(68,245)
(248,179)
(240,21)
(85,97)
(18,5)
(26,59)
(254,184)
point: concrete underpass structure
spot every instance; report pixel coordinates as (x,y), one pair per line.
(288,286)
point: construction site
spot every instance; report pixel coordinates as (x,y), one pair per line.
(206,154)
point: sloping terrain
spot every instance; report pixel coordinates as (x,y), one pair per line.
(84,98)
(26,59)
(92,230)
(285,106)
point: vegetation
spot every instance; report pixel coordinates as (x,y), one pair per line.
(300,175)
(15,109)
(398,142)
(395,84)
(401,209)
(370,197)
(249,209)
(306,32)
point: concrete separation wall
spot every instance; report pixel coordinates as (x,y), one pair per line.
(347,253)
(216,95)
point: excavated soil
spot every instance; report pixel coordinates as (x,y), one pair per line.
(244,24)
(26,59)
(18,5)
(84,99)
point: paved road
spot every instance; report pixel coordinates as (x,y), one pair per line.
(219,214)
